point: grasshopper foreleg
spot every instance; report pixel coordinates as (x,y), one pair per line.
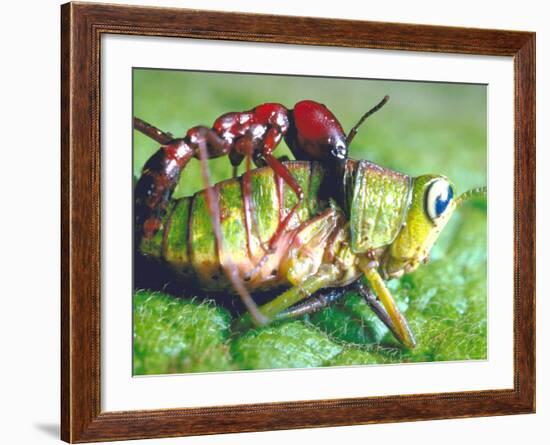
(397,322)
(377,307)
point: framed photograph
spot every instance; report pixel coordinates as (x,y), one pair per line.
(275,222)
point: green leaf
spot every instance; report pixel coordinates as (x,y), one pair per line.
(173,335)
(286,345)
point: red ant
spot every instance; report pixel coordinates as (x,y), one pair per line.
(310,130)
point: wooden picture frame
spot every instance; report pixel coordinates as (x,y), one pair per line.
(82,26)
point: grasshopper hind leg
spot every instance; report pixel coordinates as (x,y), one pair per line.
(326,297)
(322,299)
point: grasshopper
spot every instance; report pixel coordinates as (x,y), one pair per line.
(312,228)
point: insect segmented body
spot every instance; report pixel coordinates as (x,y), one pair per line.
(313,227)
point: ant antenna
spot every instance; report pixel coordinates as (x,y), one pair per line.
(373,110)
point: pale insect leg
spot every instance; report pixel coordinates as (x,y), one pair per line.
(227,264)
(323,278)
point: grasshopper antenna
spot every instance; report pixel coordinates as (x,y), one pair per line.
(373,110)
(479,192)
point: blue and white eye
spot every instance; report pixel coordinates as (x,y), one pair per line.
(439,195)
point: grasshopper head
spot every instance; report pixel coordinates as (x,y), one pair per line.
(432,204)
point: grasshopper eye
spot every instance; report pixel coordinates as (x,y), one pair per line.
(438,197)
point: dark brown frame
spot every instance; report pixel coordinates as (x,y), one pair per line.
(81,28)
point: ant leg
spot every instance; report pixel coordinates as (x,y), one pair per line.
(228,267)
(283,172)
(271,140)
(245,145)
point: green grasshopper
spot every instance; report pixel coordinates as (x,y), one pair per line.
(316,227)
